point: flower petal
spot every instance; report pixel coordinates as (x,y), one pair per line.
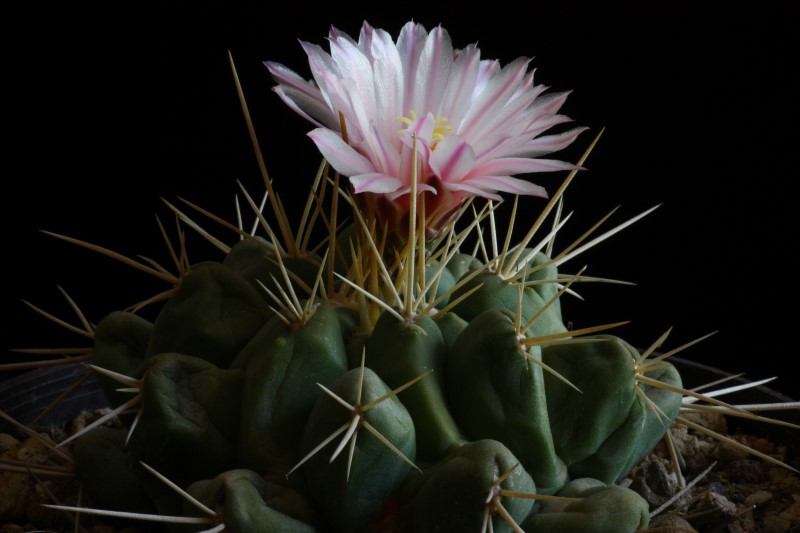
(355,68)
(388,76)
(421,187)
(474,123)
(433,70)
(498,89)
(463,76)
(472,190)
(321,64)
(550,143)
(509,184)
(302,96)
(386,156)
(519,165)
(409,46)
(375,182)
(452,159)
(339,154)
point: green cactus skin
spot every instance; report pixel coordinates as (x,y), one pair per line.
(255,260)
(639,434)
(240,407)
(245,497)
(451,496)
(541,272)
(602,509)
(446,280)
(399,352)
(604,430)
(213,315)
(186,423)
(461,264)
(108,473)
(499,393)
(233,405)
(120,345)
(282,369)
(450,326)
(493,292)
(603,372)
(353,503)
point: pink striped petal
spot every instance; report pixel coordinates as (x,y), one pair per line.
(375,182)
(463,76)
(386,156)
(466,187)
(409,46)
(421,187)
(452,159)
(433,70)
(494,115)
(495,96)
(365,37)
(287,77)
(543,124)
(519,165)
(507,184)
(339,154)
(318,59)
(388,76)
(550,143)
(357,79)
(299,104)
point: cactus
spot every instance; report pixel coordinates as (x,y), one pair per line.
(385,380)
(426,409)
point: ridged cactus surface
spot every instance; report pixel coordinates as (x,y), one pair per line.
(437,421)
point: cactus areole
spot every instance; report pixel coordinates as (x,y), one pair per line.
(407,371)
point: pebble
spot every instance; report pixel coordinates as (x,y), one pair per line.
(671,523)
(758,498)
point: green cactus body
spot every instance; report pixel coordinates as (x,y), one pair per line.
(254,259)
(106,469)
(493,292)
(498,392)
(452,495)
(445,281)
(540,273)
(186,423)
(461,264)
(353,500)
(599,508)
(450,325)
(213,315)
(603,429)
(242,407)
(582,417)
(244,496)
(641,432)
(399,351)
(120,345)
(284,365)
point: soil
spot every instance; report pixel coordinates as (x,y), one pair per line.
(739,494)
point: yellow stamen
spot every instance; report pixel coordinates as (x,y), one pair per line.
(406,120)
(439,129)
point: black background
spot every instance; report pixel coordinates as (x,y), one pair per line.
(110,111)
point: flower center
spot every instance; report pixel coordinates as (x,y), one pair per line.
(428,128)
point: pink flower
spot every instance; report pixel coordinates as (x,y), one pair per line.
(473,124)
